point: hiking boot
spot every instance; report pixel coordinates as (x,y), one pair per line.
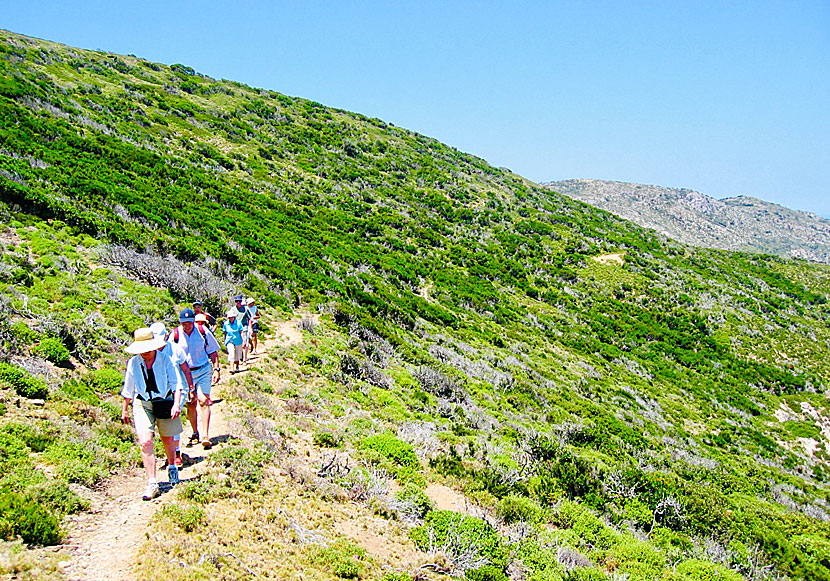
(173,475)
(207,444)
(152,491)
(194,439)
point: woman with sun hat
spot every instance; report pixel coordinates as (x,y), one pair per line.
(153,387)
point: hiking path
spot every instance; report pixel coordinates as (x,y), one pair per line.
(101,543)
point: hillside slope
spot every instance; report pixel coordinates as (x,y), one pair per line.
(741,223)
(597,401)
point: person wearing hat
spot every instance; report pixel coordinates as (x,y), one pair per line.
(233,339)
(153,388)
(201,349)
(254,310)
(179,357)
(211,321)
(243,315)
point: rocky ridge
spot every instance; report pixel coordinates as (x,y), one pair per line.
(741,223)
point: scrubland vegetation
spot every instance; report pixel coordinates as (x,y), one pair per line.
(664,418)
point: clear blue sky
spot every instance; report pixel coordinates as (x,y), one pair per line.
(727,98)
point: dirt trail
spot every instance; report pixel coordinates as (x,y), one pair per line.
(101,544)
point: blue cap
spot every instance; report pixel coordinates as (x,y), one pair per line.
(187,316)
(238,298)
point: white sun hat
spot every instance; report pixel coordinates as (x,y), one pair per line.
(144,342)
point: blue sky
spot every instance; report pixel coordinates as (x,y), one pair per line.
(727,98)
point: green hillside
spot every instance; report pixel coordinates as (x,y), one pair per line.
(657,414)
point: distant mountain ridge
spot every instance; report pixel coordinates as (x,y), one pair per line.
(740,223)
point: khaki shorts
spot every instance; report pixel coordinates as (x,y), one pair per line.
(144,420)
(234,352)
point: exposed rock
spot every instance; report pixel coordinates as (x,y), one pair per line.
(740,223)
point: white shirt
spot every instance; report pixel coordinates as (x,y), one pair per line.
(168,379)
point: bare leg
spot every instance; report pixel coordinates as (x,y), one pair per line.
(204,417)
(145,444)
(191,415)
(169,448)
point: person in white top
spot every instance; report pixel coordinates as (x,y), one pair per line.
(153,387)
(201,349)
(179,357)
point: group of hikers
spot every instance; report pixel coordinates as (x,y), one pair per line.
(165,362)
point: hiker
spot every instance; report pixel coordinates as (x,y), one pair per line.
(254,310)
(233,339)
(243,315)
(153,386)
(212,322)
(201,348)
(179,357)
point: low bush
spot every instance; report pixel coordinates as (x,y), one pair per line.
(13,451)
(22,382)
(343,559)
(202,491)
(30,436)
(514,508)
(78,462)
(388,446)
(105,380)
(54,351)
(587,529)
(243,464)
(413,502)
(697,570)
(58,497)
(187,518)
(23,516)
(80,391)
(469,542)
(327,440)
(486,573)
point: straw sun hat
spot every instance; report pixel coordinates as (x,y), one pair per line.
(144,342)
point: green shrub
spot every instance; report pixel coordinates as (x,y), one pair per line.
(343,559)
(24,334)
(54,351)
(587,574)
(22,382)
(396,576)
(514,508)
(457,534)
(697,570)
(25,517)
(187,518)
(58,497)
(639,559)
(105,380)
(244,464)
(13,451)
(587,528)
(486,573)
(28,435)
(202,491)
(77,462)
(80,391)
(326,440)
(417,503)
(388,446)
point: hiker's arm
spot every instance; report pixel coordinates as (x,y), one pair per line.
(125,410)
(214,359)
(177,390)
(188,377)
(127,392)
